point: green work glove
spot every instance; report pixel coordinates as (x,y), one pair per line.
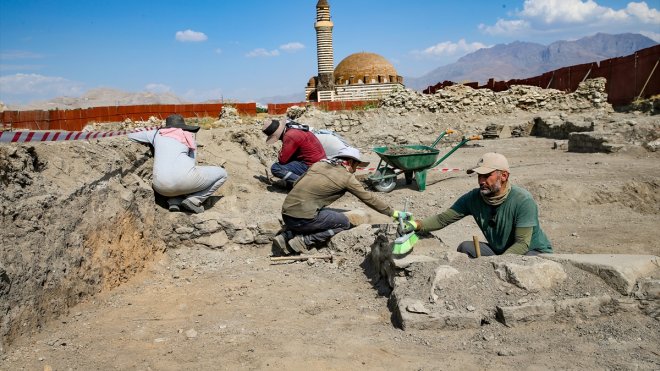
(408,226)
(403,214)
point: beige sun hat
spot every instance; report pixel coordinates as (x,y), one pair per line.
(490,162)
(273,128)
(352,153)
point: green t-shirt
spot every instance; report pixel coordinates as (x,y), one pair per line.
(498,223)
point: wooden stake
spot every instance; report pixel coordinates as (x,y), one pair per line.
(647,80)
(477,248)
(300,257)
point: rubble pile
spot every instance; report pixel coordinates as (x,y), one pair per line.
(312,116)
(127,124)
(229,116)
(294,112)
(460,98)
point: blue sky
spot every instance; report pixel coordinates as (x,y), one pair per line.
(244,50)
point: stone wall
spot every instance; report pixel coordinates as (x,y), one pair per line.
(460,98)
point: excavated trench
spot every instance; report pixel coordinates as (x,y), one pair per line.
(76,220)
(79,218)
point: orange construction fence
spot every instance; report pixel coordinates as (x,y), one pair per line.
(76,119)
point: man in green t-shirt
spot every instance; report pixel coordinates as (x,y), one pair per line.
(506,214)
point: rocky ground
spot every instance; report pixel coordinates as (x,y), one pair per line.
(95,273)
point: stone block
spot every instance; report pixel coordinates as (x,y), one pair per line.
(537,276)
(560,145)
(410,318)
(243,237)
(266,231)
(647,292)
(620,271)
(590,307)
(208,226)
(214,241)
(205,216)
(518,314)
(561,310)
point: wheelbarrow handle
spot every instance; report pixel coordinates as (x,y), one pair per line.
(459,145)
(437,140)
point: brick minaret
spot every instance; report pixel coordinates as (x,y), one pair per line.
(324,52)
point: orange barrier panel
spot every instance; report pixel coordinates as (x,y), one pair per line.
(622,91)
(246,108)
(76,119)
(166,110)
(648,72)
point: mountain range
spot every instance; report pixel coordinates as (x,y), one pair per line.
(524,59)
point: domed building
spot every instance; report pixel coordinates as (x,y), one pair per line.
(360,76)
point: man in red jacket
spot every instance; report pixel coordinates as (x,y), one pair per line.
(300,149)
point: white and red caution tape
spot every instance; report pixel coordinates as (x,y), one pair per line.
(59,136)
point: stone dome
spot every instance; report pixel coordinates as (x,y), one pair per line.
(355,67)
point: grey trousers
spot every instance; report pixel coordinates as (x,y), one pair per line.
(205,181)
(317,230)
(467,247)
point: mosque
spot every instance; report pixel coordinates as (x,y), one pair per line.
(360,76)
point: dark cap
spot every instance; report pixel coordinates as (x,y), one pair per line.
(176,121)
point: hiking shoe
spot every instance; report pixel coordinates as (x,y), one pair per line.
(297,243)
(280,244)
(174,204)
(279,183)
(190,205)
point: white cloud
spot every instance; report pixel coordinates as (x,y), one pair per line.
(652,35)
(26,87)
(561,11)
(19,54)
(642,12)
(292,47)
(449,48)
(158,88)
(20,67)
(190,36)
(261,52)
(503,27)
(555,15)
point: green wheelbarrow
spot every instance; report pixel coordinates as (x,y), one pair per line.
(411,160)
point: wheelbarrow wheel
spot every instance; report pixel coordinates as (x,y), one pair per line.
(387,184)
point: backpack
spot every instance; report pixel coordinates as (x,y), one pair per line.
(331,141)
